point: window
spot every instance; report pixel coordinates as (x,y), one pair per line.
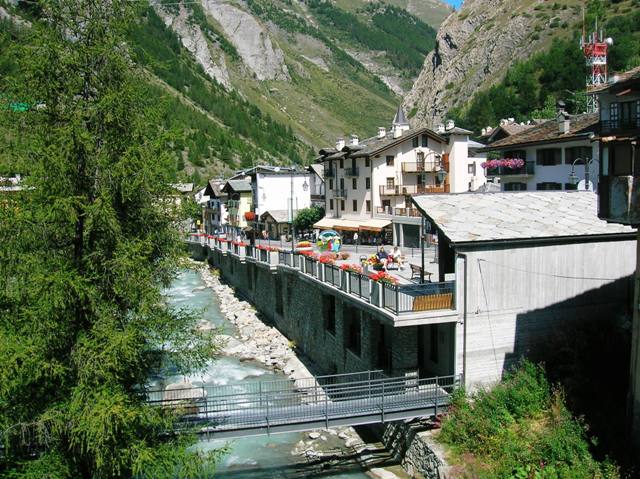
(515,186)
(614,114)
(330,184)
(571,154)
(548,185)
(433,343)
(329,313)
(630,114)
(390,183)
(425,141)
(520,154)
(570,186)
(341,205)
(352,329)
(341,163)
(367,162)
(331,205)
(620,159)
(548,156)
(368,205)
(355,205)
(389,160)
(367,183)
(415,142)
(354,183)
(471,169)
(342,183)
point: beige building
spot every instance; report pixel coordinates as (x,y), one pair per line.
(369,183)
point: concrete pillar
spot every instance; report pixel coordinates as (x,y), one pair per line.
(634,380)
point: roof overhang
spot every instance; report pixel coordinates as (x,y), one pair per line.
(582,136)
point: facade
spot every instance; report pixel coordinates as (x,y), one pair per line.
(369,183)
(215,209)
(316,184)
(619,196)
(273,187)
(551,151)
(520,270)
(239,204)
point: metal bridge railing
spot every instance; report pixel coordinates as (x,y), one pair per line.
(276,403)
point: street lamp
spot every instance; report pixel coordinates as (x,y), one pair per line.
(573,178)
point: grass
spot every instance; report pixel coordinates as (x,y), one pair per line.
(521,428)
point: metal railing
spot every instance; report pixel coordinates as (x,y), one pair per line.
(608,126)
(276,406)
(420,166)
(406,190)
(418,297)
(333,275)
(352,171)
(340,193)
(359,285)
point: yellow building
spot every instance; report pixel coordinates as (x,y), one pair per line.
(239,203)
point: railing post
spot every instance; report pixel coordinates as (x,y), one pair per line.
(397,299)
(267,414)
(326,410)
(383,401)
(437,393)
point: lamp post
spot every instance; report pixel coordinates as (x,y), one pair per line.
(573,178)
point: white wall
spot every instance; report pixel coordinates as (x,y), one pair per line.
(274,192)
(517,296)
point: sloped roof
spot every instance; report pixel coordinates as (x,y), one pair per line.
(318,169)
(470,217)
(214,188)
(183,187)
(400,118)
(548,132)
(279,216)
(238,185)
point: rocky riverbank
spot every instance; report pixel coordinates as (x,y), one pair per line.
(255,341)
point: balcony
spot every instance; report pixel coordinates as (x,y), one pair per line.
(420,167)
(619,199)
(529,169)
(329,173)
(407,190)
(619,126)
(388,210)
(353,171)
(340,193)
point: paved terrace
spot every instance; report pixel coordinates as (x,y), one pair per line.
(406,303)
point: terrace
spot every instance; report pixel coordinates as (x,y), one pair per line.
(403,299)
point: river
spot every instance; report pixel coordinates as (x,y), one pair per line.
(275,456)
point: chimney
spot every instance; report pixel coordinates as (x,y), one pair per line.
(339,144)
(504,122)
(397,132)
(484,131)
(563,119)
(382,132)
(450,125)
(354,140)
(440,128)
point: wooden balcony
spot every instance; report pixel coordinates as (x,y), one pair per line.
(420,167)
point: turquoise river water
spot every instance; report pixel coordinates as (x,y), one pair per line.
(261,456)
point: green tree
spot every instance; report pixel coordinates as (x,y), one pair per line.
(85,249)
(306,218)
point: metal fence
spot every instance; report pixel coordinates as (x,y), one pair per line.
(357,398)
(359,285)
(418,297)
(333,275)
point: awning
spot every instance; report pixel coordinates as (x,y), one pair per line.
(345,225)
(325,224)
(374,225)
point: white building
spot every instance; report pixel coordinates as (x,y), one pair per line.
(316,184)
(273,187)
(369,183)
(550,151)
(215,210)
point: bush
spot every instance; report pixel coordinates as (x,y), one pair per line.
(520,428)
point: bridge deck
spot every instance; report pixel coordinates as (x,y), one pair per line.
(285,406)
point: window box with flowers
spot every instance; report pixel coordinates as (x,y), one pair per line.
(505,166)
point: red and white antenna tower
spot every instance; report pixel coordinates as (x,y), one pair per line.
(595,48)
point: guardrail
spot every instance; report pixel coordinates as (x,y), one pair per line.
(418,297)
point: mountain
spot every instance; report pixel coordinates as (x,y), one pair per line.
(506,59)
(432,12)
(477,44)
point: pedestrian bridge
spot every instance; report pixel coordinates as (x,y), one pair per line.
(271,407)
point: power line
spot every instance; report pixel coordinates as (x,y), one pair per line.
(537,273)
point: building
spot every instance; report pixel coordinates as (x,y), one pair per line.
(369,183)
(239,205)
(550,152)
(507,127)
(215,209)
(273,188)
(524,263)
(619,196)
(316,184)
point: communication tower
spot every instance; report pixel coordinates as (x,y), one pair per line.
(595,48)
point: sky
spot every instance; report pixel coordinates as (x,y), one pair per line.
(455,3)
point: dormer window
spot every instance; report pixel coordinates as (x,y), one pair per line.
(415,142)
(425,141)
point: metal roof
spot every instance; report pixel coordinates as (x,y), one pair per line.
(468,217)
(238,185)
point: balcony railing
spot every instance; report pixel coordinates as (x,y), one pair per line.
(352,171)
(406,190)
(420,167)
(528,169)
(329,173)
(340,193)
(610,126)
(388,210)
